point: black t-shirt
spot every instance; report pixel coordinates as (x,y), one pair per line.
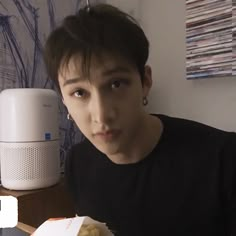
(185,186)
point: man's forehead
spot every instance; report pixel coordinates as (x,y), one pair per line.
(97,64)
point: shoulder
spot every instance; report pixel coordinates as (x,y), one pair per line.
(196,138)
(84,155)
(81,147)
(190,129)
(190,125)
(78,162)
(81,152)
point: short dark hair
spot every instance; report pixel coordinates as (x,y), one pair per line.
(101,29)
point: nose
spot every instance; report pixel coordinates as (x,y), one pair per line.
(102,110)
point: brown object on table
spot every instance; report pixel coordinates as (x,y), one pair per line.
(36,206)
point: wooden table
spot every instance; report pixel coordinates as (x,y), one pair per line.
(25,228)
(36,206)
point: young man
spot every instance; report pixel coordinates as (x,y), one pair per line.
(142,174)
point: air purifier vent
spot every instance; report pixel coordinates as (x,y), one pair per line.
(28,165)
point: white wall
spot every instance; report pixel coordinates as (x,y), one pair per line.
(211,101)
(132,7)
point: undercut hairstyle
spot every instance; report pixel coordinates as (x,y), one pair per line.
(96,31)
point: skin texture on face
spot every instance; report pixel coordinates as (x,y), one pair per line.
(108,106)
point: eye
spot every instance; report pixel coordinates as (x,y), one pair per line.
(116,84)
(79,93)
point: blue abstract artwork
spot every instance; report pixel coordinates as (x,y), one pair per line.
(24,26)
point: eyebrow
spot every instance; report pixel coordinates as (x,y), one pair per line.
(119,69)
(109,72)
(72,81)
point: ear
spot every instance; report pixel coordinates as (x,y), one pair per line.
(147,80)
(62,99)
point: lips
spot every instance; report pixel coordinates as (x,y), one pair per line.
(107,135)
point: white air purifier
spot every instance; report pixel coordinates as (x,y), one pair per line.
(29,135)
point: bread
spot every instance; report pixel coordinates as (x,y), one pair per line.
(89,230)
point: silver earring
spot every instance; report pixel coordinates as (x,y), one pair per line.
(88,5)
(145,101)
(68,116)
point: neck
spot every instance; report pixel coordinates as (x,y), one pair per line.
(140,147)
